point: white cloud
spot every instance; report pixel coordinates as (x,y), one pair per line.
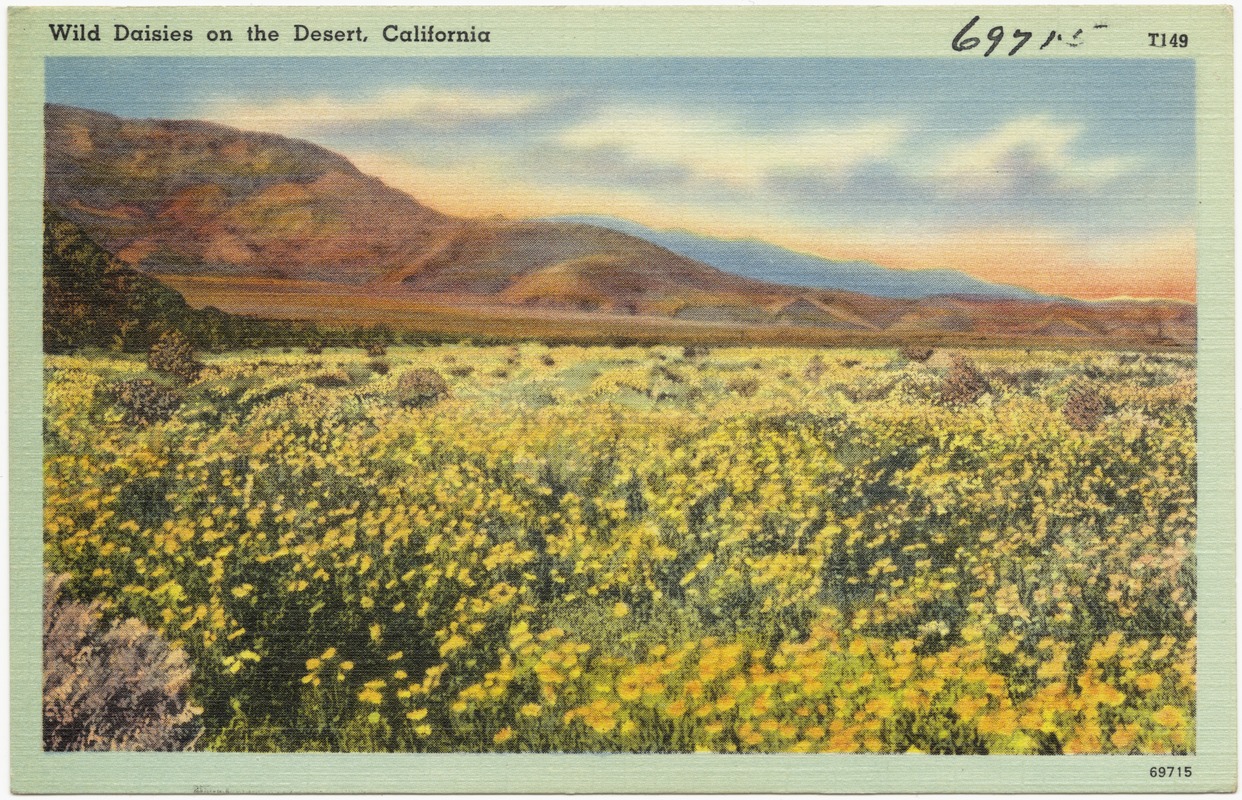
(1023,151)
(433,108)
(721,148)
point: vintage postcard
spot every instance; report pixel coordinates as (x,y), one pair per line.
(600,399)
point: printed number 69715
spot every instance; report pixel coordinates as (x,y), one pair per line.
(1170,772)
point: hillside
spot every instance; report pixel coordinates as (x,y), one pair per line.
(195,198)
(93,300)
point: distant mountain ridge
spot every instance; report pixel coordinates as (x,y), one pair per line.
(760,260)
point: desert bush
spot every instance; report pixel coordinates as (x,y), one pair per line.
(746,386)
(379,366)
(110,687)
(915,353)
(692,351)
(815,368)
(314,348)
(850,362)
(420,388)
(145,401)
(376,349)
(668,374)
(1084,408)
(172,353)
(548,361)
(461,371)
(1029,379)
(964,384)
(331,379)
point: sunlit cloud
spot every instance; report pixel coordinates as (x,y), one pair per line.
(416,106)
(722,149)
(1034,153)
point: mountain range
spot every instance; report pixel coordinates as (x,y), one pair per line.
(755,258)
(265,225)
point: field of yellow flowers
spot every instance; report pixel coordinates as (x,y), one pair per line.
(648,548)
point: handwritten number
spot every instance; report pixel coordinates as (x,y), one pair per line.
(960,44)
(994,36)
(1022,36)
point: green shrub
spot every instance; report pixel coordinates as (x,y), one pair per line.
(1003,377)
(746,386)
(815,368)
(691,351)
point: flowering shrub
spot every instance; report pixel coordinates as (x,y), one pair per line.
(915,353)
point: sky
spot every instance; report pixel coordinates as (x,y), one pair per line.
(1074,177)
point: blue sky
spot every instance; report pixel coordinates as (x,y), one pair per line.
(1074,175)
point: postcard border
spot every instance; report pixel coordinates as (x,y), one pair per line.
(647,31)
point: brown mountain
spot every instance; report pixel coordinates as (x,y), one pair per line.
(267,225)
(195,198)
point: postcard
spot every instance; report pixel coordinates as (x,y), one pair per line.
(622,399)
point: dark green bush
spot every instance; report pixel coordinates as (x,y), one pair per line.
(815,368)
(331,379)
(746,386)
(173,354)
